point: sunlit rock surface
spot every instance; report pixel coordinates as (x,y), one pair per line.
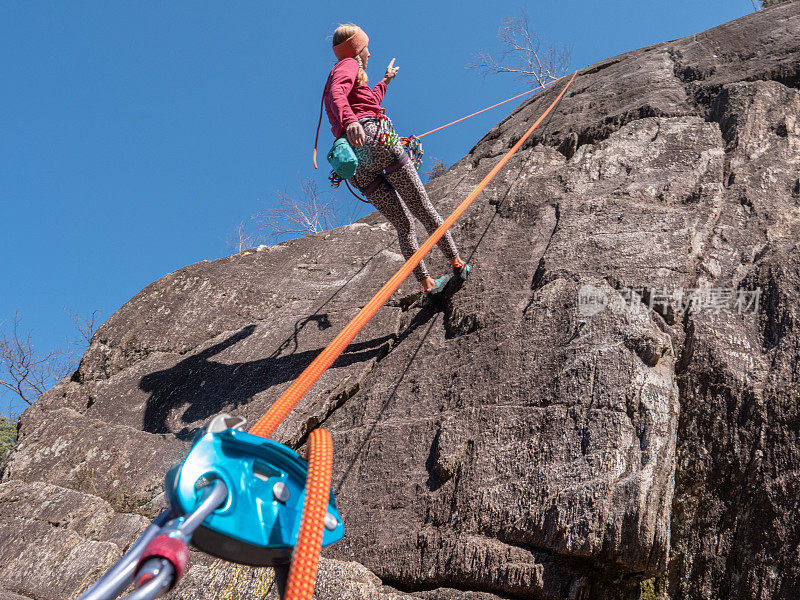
(611,398)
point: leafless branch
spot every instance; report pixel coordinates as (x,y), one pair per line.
(27,373)
(523,54)
(85,326)
(437,169)
(71,357)
(22,370)
(305,214)
(241,239)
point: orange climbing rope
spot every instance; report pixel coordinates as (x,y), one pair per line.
(303,573)
(322,104)
(284,405)
(407,140)
(541,87)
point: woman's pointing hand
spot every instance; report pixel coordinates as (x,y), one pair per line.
(391,71)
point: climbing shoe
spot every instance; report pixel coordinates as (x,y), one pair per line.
(461,273)
(440,285)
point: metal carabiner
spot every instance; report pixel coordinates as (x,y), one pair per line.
(259,523)
(236,496)
(156,560)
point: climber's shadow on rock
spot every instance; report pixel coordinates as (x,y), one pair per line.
(206,387)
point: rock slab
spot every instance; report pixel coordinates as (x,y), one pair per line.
(611,398)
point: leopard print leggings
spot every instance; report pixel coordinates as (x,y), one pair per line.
(399,195)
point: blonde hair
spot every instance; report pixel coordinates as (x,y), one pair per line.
(343,32)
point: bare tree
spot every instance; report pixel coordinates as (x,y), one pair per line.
(305,214)
(523,54)
(26,372)
(437,169)
(241,239)
(23,370)
(85,326)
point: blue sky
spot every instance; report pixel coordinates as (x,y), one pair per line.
(134,136)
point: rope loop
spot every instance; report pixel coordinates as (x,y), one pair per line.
(335,180)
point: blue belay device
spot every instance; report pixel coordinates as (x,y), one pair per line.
(259,523)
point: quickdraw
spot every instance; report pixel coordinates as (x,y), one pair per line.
(388,136)
(414,149)
(335,180)
(386,132)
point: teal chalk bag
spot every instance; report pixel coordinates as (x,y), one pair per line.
(343,159)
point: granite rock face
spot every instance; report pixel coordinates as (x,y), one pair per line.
(612,397)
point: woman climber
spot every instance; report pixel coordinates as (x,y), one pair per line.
(354,110)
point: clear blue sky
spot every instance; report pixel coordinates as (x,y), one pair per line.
(134,136)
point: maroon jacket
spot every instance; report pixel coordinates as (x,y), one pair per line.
(345,101)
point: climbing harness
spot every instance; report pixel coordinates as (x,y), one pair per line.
(380,179)
(344,167)
(388,136)
(241,498)
(238,495)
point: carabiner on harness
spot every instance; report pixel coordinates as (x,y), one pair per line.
(388,136)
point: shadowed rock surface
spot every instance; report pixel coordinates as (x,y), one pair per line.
(565,426)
